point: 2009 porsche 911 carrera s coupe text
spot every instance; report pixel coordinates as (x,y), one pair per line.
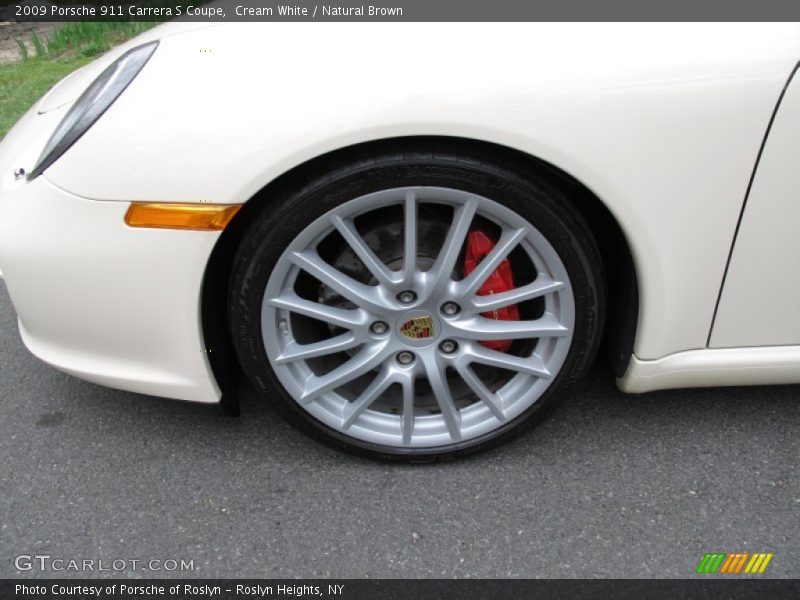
(411,237)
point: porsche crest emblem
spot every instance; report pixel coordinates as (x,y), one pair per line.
(418,328)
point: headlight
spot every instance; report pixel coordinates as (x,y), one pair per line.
(91,105)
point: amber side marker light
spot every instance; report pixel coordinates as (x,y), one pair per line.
(199,217)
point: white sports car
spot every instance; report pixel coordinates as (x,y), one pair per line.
(411,237)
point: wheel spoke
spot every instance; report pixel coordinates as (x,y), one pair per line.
(542,286)
(374,264)
(509,240)
(347,319)
(441,390)
(373,391)
(294,351)
(362,362)
(358,293)
(531,365)
(481,328)
(409,238)
(482,392)
(446,261)
(408,409)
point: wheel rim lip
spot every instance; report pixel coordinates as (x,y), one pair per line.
(518,394)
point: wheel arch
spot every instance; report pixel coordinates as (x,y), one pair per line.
(618,259)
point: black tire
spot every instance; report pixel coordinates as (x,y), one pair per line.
(300,199)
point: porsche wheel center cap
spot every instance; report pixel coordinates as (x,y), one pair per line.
(418,328)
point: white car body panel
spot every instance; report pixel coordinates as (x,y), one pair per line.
(89,303)
(760,302)
(662,122)
(641,129)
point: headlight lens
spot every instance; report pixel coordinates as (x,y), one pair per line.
(91,105)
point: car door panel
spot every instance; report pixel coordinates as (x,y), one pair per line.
(760,300)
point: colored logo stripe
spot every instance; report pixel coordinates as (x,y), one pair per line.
(734,562)
(758,563)
(720,562)
(710,563)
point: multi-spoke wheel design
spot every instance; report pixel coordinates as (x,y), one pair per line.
(415,304)
(372,327)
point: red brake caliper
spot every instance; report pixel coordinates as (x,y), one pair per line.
(479,244)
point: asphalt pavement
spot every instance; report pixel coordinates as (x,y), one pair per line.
(610,486)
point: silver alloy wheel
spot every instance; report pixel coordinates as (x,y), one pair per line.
(350,396)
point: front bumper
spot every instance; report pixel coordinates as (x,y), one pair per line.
(95,298)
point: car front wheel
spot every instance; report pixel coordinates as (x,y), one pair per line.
(416,305)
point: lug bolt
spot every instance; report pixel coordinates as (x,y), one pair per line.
(451,309)
(379,327)
(405,357)
(407,297)
(448,346)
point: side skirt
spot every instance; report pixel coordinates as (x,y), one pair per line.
(769,365)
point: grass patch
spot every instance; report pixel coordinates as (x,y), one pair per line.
(23,83)
(91,38)
(69,47)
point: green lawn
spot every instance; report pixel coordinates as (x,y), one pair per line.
(23,83)
(71,46)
